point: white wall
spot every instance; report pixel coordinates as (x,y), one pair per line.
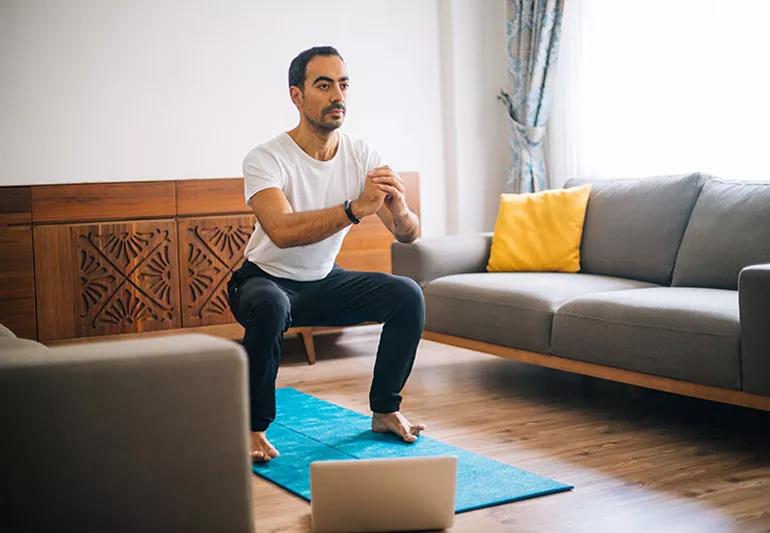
(140,90)
(474,71)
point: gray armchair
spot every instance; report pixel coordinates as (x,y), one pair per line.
(136,435)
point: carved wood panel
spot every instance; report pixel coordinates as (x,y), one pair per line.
(210,248)
(106,279)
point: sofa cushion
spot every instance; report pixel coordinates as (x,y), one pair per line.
(539,232)
(691,334)
(729,229)
(509,308)
(633,227)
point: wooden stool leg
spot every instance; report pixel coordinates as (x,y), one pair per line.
(307,341)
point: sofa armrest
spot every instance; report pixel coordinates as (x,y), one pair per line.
(136,435)
(431,258)
(6,333)
(754,298)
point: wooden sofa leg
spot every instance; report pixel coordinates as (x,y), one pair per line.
(307,341)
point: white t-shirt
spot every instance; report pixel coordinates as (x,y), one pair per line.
(308,184)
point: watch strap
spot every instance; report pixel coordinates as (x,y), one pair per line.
(349,212)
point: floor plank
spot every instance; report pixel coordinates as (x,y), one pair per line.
(640,460)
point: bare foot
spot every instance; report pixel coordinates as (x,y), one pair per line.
(261,449)
(396,423)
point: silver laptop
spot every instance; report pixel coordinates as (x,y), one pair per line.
(383,494)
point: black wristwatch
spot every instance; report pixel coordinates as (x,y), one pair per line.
(349,212)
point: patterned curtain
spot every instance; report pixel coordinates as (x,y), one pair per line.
(533,45)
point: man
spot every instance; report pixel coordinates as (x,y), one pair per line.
(307,187)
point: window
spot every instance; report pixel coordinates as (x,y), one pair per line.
(655,87)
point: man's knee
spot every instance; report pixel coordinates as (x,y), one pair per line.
(263,306)
(408,294)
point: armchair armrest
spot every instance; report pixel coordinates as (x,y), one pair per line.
(137,435)
(754,298)
(431,258)
(6,333)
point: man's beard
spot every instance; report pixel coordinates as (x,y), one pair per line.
(323,127)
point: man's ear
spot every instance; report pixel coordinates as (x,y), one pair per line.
(296,96)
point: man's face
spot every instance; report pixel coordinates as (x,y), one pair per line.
(322,102)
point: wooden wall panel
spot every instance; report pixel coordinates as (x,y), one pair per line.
(17,281)
(210,248)
(16,268)
(367,247)
(210,197)
(18,315)
(15,206)
(92,202)
(116,258)
(56,280)
(106,279)
(372,261)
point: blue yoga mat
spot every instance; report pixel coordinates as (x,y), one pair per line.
(309,429)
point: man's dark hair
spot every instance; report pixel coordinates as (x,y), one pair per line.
(298,67)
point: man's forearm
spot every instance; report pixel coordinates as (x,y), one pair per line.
(406,227)
(308,227)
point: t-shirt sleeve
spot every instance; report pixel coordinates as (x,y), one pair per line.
(261,171)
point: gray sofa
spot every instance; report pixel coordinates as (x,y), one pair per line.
(673,293)
(136,435)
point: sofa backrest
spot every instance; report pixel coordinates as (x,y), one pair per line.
(729,229)
(634,227)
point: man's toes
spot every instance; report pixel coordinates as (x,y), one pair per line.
(258,456)
(273,453)
(417,429)
(405,434)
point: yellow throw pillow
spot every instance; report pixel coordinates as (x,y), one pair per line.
(539,232)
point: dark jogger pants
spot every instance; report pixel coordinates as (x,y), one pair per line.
(266,306)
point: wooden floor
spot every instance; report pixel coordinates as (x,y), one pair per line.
(640,460)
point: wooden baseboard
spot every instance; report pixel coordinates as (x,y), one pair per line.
(675,386)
